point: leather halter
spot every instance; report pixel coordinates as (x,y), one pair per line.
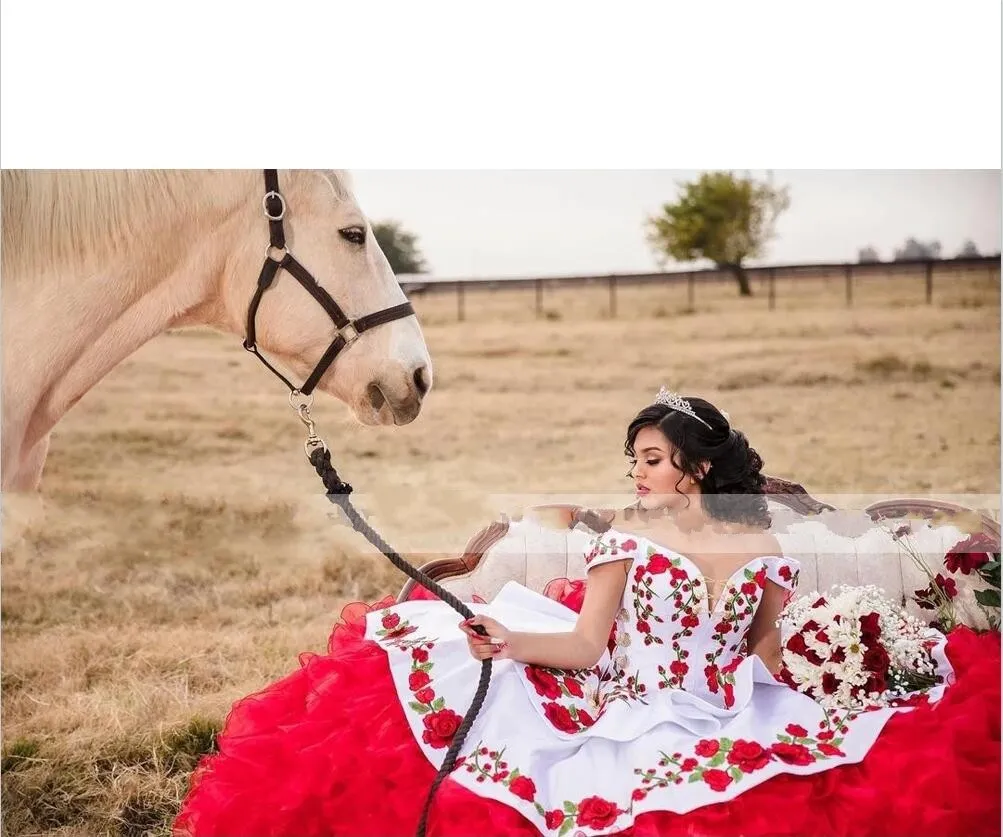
(277,256)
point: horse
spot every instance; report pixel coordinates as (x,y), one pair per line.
(97,263)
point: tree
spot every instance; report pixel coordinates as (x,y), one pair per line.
(721,217)
(968,250)
(915,250)
(868,254)
(400,247)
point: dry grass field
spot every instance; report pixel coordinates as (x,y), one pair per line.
(180,554)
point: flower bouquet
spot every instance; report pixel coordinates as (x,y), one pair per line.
(855,649)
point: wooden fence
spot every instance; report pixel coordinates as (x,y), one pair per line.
(764,281)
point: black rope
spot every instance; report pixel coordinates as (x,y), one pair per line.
(338,493)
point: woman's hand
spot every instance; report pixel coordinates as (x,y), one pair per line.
(494,646)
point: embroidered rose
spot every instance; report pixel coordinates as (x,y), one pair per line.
(784,572)
(690,620)
(658,564)
(707,747)
(796,754)
(688,765)
(829,750)
(440,727)
(678,574)
(554,819)
(749,588)
(596,812)
(717,779)
(560,717)
(391,621)
(797,731)
(628,545)
(760,578)
(643,627)
(573,687)
(638,794)
(748,755)
(544,682)
(523,787)
(418,680)
(419,655)
(424,696)
(876,659)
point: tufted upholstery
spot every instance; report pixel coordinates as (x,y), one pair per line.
(833,547)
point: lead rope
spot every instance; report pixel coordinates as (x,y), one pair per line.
(338,492)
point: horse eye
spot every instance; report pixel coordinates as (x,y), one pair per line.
(356,235)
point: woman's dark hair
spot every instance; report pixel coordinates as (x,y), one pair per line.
(733,488)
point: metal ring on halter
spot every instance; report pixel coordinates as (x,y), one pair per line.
(264,206)
(300,401)
(312,443)
(283,250)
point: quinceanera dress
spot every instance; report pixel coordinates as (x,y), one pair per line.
(676,730)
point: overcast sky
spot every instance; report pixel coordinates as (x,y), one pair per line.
(500,223)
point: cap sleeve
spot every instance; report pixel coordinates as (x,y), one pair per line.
(608,547)
(783,571)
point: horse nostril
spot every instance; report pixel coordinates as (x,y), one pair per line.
(421,380)
(376,397)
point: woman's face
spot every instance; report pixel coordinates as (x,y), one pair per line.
(657,482)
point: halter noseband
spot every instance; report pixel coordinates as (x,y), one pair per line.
(277,256)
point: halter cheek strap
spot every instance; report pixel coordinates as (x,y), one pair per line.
(278,257)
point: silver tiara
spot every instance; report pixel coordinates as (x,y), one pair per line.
(674,401)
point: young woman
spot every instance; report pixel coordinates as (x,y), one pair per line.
(653,710)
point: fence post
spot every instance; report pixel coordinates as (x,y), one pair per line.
(929,282)
(460,303)
(848,271)
(539,298)
(772,287)
(691,290)
(612,297)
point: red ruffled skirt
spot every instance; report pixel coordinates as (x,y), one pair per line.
(327,751)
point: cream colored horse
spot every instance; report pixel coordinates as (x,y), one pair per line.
(97,263)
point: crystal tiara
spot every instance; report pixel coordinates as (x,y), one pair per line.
(674,401)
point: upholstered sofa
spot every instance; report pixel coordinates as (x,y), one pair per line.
(545,547)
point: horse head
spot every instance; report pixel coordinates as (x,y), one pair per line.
(384,374)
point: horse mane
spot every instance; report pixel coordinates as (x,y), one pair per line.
(73,218)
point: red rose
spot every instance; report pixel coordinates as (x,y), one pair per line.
(711,674)
(391,621)
(948,585)
(440,727)
(829,750)
(797,731)
(760,578)
(869,626)
(809,626)
(875,683)
(643,627)
(628,545)
(585,719)
(838,655)
(796,754)
(418,680)
(729,695)
(544,682)
(826,735)
(560,717)
(749,588)
(706,748)
(722,627)
(658,564)
(523,787)
(639,573)
(554,819)
(638,794)
(690,620)
(784,572)
(820,602)
(419,655)
(970,554)
(596,812)
(424,696)
(677,574)
(679,668)
(876,659)
(688,765)
(748,755)
(797,645)
(717,779)
(573,687)
(822,636)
